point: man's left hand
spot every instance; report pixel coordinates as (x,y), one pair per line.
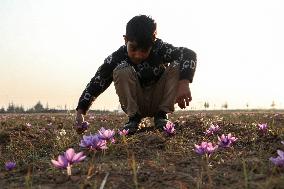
(183,94)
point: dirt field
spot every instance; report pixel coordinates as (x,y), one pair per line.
(149,159)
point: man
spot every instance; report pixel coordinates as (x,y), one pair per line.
(149,76)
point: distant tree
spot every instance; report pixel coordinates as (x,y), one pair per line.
(46,106)
(2,110)
(225,105)
(19,109)
(247,105)
(38,107)
(206,105)
(15,109)
(273,104)
(11,108)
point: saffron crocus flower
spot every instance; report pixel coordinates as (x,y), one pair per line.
(68,158)
(226,141)
(93,142)
(61,162)
(263,128)
(10,165)
(73,157)
(123,132)
(83,126)
(279,160)
(169,128)
(282,142)
(205,148)
(65,161)
(87,141)
(106,134)
(212,130)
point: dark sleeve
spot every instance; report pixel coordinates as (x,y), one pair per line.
(184,56)
(100,82)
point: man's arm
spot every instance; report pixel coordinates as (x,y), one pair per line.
(95,87)
(183,94)
(187,65)
(100,82)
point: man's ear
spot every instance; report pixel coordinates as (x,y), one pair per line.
(125,39)
(154,35)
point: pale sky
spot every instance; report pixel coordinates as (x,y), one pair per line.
(50,49)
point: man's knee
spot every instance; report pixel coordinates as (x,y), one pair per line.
(123,70)
(174,66)
(172,70)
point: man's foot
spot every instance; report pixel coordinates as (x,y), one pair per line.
(132,124)
(160,120)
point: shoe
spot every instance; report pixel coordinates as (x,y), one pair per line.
(132,124)
(160,120)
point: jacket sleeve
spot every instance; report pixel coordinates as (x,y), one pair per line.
(184,56)
(100,82)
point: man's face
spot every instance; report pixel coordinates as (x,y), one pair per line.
(136,55)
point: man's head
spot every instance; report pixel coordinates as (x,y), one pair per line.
(140,37)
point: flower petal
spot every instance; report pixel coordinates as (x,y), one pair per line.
(77,157)
(62,161)
(70,154)
(281,154)
(56,163)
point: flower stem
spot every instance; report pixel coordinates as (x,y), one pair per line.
(245,174)
(208,171)
(69,171)
(134,170)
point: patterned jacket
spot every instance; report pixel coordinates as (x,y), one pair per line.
(148,72)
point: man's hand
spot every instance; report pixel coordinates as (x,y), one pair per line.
(183,94)
(78,122)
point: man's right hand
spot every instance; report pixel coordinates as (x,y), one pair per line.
(78,121)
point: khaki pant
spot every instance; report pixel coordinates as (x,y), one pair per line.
(148,100)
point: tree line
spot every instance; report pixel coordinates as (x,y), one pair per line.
(37,108)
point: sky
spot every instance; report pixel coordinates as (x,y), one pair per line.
(49,50)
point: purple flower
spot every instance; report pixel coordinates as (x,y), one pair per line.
(68,159)
(93,142)
(61,162)
(279,160)
(123,132)
(263,128)
(87,141)
(10,165)
(106,134)
(212,130)
(73,157)
(169,128)
(282,142)
(84,125)
(205,148)
(226,141)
